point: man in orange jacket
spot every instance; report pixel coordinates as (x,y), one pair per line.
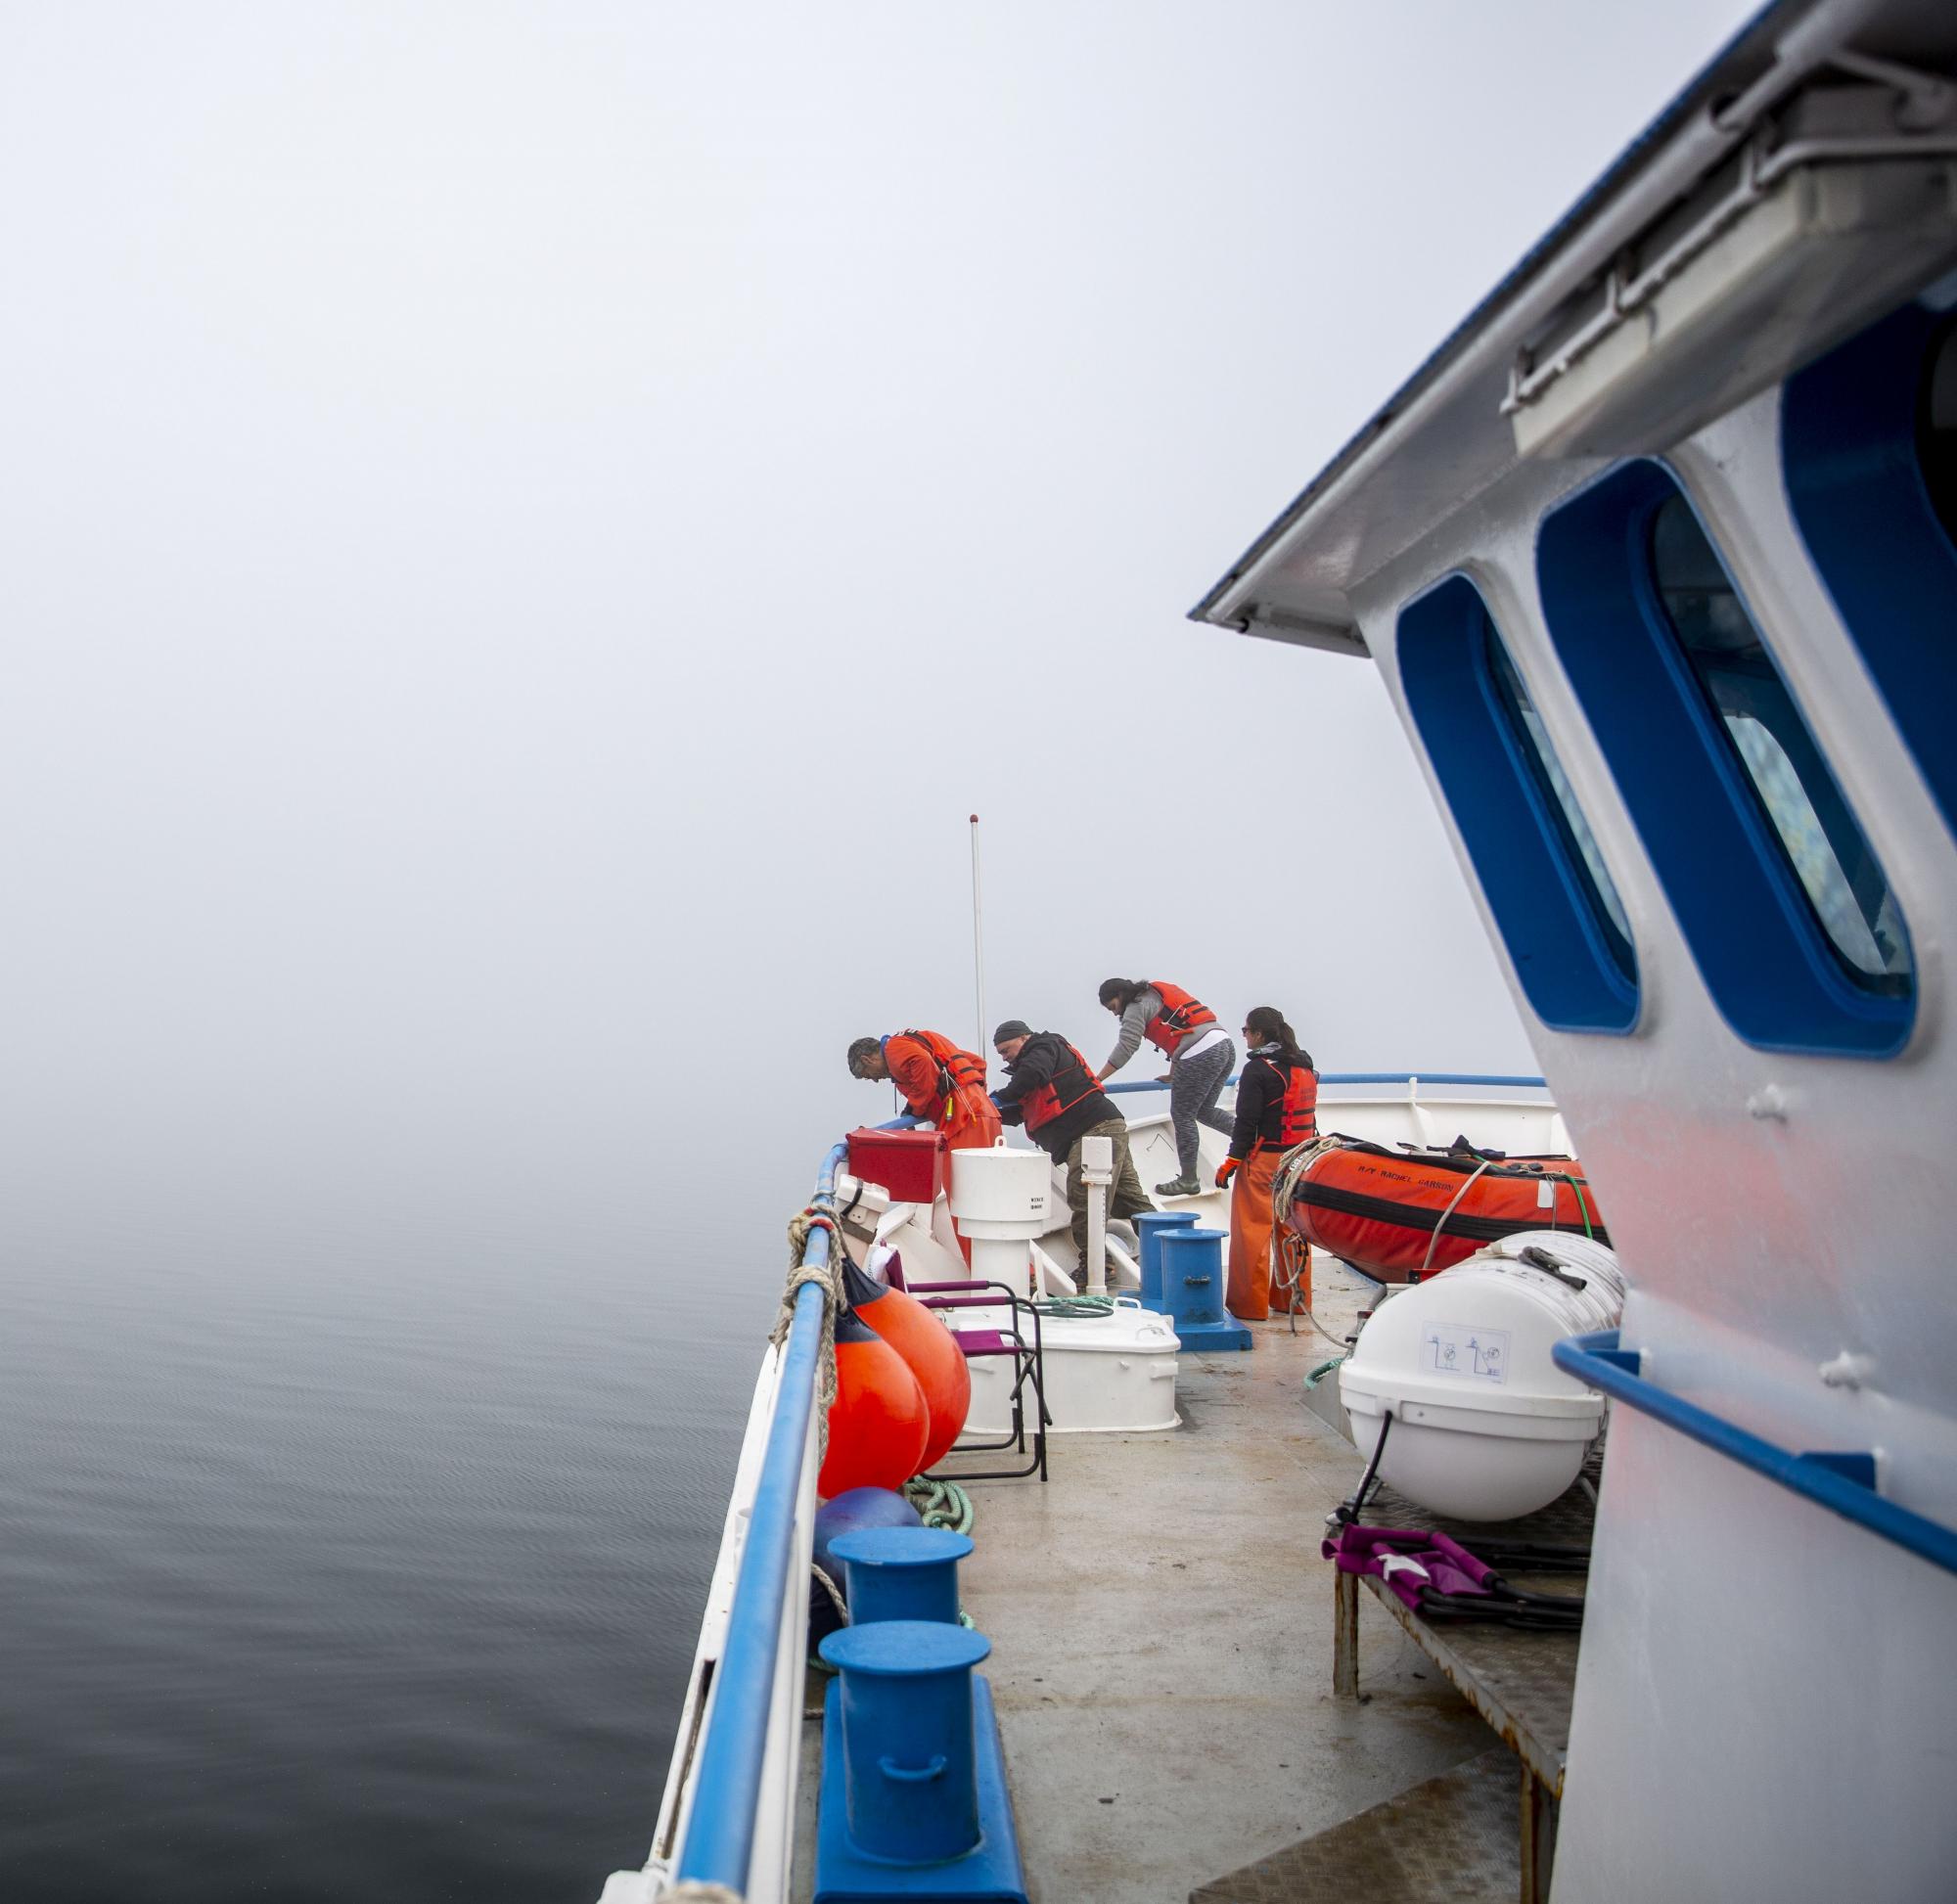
(940,1082)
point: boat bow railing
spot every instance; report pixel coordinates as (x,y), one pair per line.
(719,1844)
(1413,1080)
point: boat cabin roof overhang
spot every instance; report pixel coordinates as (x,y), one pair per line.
(1719,230)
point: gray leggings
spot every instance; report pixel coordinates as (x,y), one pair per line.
(1194,1086)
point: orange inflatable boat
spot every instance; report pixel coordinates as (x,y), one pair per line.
(1400,1214)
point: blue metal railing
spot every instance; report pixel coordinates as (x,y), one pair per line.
(1843,1484)
(727,1787)
(1376,1078)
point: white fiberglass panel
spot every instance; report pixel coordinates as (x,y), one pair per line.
(1742,1642)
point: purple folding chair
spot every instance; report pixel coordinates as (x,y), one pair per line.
(1028,1353)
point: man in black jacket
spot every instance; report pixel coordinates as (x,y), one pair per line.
(1051,1089)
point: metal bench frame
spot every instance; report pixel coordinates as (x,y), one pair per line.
(1029,1373)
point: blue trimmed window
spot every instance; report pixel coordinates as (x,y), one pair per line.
(1545,880)
(1784,907)
(1869,455)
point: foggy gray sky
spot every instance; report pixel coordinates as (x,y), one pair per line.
(526,530)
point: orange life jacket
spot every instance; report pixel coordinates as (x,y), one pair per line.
(1300,1107)
(1179,1015)
(957,1068)
(1060,1093)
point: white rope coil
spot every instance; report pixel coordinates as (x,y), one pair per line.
(1293,1168)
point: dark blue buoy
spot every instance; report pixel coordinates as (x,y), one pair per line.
(849,1512)
(852,1512)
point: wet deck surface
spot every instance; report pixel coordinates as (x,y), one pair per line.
(1163,1635)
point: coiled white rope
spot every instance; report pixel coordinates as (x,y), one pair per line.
(1293,1168)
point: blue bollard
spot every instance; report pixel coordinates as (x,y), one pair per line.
(1150,1228)
(1191,1276)
(909,1762)
(901,1572)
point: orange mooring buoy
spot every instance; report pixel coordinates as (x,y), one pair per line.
(878,1421)
(927,1345)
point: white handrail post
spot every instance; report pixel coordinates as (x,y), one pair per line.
(1096,1172)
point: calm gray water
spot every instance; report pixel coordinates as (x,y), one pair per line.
(353,1528)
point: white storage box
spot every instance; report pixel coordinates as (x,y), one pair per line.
(1104,1375)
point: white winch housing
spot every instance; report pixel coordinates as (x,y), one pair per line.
(1000,1201)
(1485,1426)
(1001,1192)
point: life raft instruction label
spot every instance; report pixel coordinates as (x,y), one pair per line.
(1476,1354)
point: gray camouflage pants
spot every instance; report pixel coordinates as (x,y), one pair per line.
(1194,1086)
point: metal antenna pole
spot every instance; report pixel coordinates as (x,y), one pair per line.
(979,944)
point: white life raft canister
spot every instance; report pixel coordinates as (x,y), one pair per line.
(1485,1426)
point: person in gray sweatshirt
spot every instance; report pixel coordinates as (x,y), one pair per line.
(1200,1055)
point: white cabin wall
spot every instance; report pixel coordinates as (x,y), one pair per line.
(1760,1223)
(1740,1640)
(1867,1143)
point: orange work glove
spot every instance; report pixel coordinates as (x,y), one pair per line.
(1228,1171)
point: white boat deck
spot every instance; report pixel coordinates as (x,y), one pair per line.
(1161,1628)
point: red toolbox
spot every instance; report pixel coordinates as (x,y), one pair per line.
(908,1163)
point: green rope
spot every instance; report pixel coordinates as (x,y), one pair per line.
(1323,1370)
(1076,1305)
(942,1504)
(1582,1208)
